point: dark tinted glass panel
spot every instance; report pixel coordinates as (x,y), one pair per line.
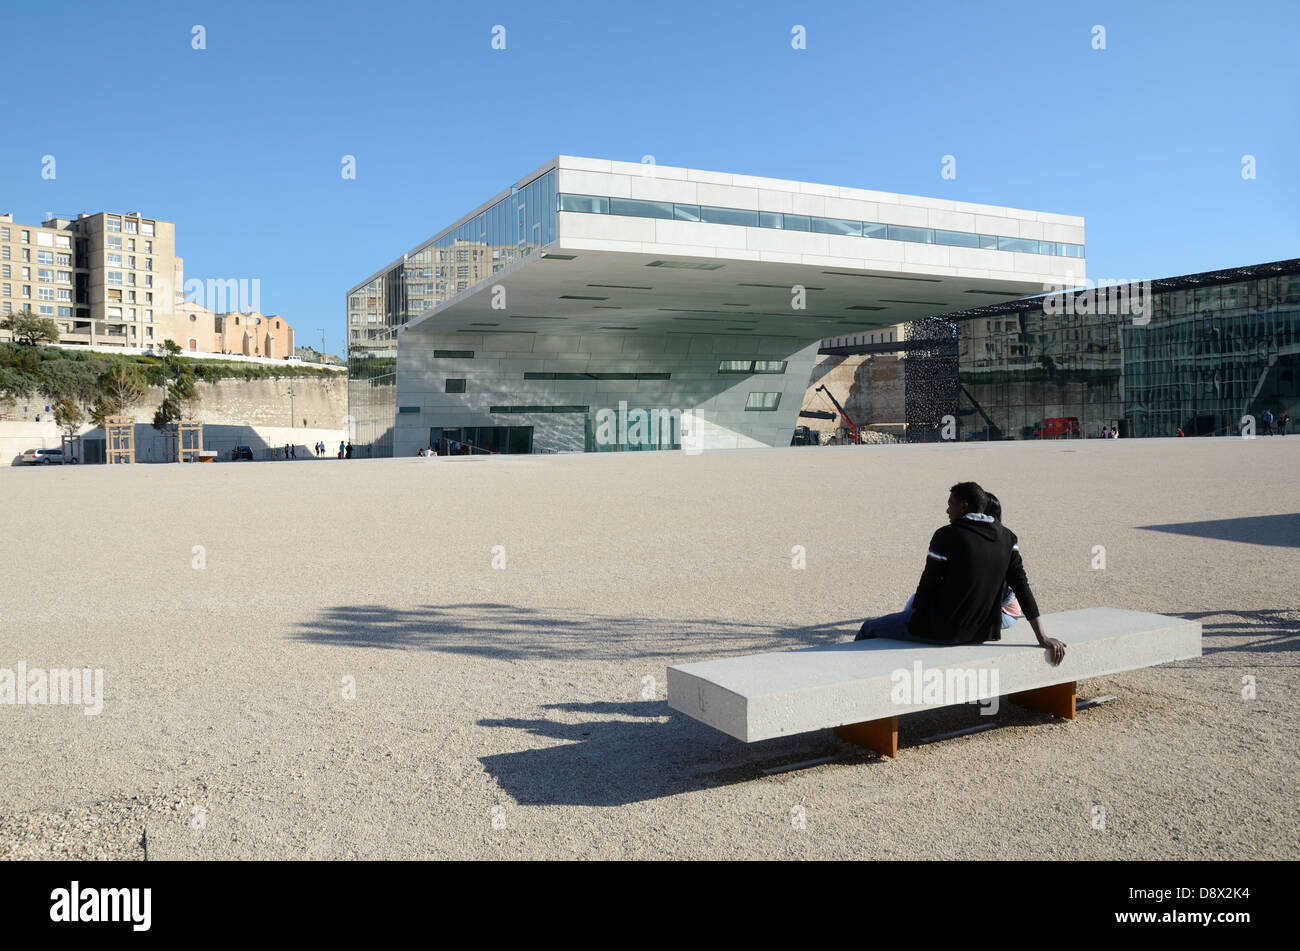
(957,239)
(640,209)
(729,216)
(837,226)
(903,233)
(796,223)
(1017,244)
(591,204)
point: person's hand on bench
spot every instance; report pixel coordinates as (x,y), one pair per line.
(1052,644)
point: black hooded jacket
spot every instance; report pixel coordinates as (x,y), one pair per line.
(959,599)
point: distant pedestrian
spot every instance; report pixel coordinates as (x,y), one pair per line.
(1283,422)
(1105,432)
(293,451)
(1267,420)
(348,453)
(341,448)
(286,450)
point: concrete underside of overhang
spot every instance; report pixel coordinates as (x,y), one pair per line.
(598,290)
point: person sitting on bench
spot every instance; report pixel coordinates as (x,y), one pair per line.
(959,598)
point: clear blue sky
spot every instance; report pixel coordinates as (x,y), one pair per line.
(240,144)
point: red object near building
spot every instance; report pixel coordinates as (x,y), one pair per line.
(1056,427)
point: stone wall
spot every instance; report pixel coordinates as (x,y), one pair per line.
(321,400)
(869,387)
(234,412)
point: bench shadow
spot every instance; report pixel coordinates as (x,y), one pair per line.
(1267,631)
(619,762)
(1279,530)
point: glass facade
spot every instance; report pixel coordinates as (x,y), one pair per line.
(635,208)
(1209,350)
(450,263)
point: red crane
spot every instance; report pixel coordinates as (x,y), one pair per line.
(854,432)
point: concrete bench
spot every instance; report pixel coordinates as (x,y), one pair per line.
(862,687)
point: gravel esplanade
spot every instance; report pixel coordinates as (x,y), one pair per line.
(320,659)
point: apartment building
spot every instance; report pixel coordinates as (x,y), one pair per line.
(104,278)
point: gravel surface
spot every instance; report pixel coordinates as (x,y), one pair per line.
(347,675)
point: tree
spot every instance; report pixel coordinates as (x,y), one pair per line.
(29,329)
(68,416)
(181,402)
(120,388)
(19,367)
(75,380)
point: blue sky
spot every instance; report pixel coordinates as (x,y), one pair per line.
(241,143)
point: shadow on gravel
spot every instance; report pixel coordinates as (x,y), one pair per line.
(1280,530)
(1268,631)
(506,632)
(617,762)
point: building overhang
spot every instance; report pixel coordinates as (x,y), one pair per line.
(584,291)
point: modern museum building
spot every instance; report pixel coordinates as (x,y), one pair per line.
(598,305)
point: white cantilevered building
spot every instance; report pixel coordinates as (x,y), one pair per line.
(560,312)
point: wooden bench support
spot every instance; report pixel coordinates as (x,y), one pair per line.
(879,735)
(1057,700)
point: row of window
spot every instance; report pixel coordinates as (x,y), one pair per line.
(42,293)
(752,366)
(754,402)
(42,274)
(597,376)
(43,238)
(638,208)
(115,244)
(115,277)
(129,225)
(115,260)
(42,257)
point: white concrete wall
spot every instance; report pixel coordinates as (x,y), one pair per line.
(17,437)
(698,239)
(495,376)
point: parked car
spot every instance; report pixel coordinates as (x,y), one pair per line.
(241,452)
(43,457)
(294,356)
